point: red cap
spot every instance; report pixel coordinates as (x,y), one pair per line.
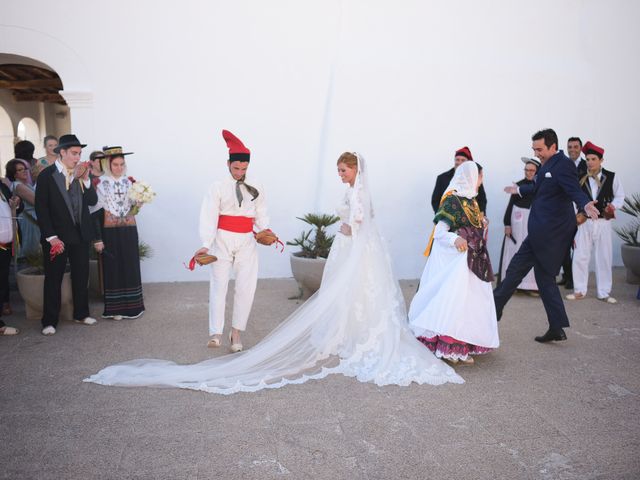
(237,151)
(593,149)
(464,152)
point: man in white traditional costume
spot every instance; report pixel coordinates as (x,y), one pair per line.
(595,235)
(230,211)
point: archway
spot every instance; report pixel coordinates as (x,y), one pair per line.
(6,138)
(28,130)
(41,49)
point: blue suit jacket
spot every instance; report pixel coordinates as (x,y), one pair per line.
(552,220)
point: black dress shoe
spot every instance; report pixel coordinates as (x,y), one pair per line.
(552,336)
(562,281)
(498,314)
(569,285)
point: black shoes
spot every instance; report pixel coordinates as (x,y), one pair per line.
(552,336)
(569,285)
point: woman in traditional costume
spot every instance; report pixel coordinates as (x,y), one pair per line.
(453,313)
(119,245)
(354,325)
(516,218)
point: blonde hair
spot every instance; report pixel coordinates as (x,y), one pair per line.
(349,159)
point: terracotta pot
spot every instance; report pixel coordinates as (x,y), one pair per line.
(31,288)
(308,273)
(631,260)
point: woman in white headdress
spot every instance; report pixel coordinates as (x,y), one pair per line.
(453,313)
(354,325)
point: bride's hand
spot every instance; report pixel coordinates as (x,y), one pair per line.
(461,244)
(345,229)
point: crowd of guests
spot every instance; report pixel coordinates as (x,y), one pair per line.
(58,208)
(454,312)
(65,207)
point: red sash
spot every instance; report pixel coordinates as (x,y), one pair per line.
(231,223)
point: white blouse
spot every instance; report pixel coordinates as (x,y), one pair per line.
(113,195)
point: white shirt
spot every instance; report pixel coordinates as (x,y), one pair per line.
(6,222)
(221,200)
(618,193)
(63,170)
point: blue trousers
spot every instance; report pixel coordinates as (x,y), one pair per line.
(520,265)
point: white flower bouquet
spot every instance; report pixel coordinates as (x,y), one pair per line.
(140,193)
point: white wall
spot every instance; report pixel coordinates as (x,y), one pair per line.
(404,83)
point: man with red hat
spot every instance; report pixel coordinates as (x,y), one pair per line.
(231,210)
(604,186)
(442,182)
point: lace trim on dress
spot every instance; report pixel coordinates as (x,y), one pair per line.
(448,347)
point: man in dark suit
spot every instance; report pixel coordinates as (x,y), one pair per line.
(63,196)
(574,149)
(443,180)
(552,226)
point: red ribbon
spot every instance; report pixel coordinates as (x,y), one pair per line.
(277,242)
(56,250)
(192,264)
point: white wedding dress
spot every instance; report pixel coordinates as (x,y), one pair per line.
(355,325)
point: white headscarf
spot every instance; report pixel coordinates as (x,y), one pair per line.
(465,180)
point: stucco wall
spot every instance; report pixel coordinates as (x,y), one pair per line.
(404,83)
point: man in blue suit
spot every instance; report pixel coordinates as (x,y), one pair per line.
(552,227)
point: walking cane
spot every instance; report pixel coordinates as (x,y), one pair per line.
(100,280)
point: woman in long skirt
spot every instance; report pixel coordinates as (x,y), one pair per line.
(516,218)
(453,313)
(119,245)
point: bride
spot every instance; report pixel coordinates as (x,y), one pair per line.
(355,325)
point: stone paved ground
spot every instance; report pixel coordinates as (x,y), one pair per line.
(561,411)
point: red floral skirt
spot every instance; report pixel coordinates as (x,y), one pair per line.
(448,347)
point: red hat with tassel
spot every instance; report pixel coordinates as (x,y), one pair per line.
(464,152)
(593,149)
(237,151)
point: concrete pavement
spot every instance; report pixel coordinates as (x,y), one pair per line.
(562,411)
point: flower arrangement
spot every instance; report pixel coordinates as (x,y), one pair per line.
(141,193)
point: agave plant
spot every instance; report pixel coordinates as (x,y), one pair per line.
(320,244)
(630,234)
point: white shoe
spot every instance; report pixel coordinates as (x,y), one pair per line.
(8,331)
(575,296)
(235,347)
(610,300)
(49,330)
(117,317)
(87,321)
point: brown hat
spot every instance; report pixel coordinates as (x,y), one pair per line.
(114,152)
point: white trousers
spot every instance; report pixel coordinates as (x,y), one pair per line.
(236,252)
(593,235)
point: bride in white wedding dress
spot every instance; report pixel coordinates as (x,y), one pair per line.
(355,325)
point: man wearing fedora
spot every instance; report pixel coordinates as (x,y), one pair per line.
(63,196)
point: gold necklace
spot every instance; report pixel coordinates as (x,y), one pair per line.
(472,212)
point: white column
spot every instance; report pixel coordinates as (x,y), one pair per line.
(82,116)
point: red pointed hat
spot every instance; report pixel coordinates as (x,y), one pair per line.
(464,152)
(593,149)
(237,151)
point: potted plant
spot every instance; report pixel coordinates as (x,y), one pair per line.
(630,235)
(30,282)
(307,265)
